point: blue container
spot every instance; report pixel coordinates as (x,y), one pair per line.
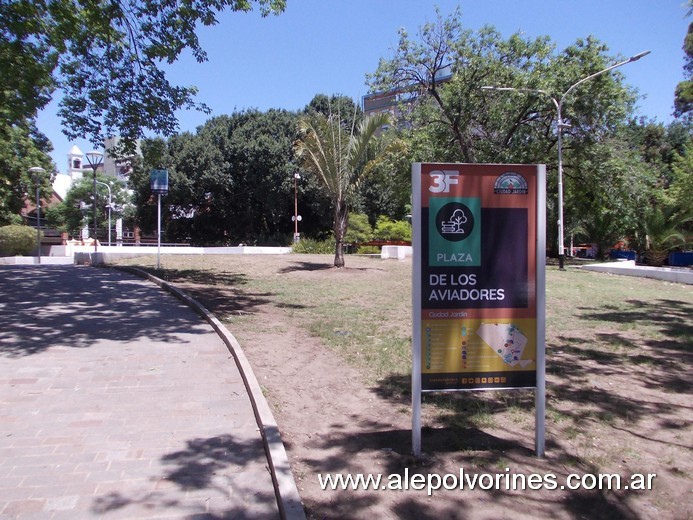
(620,254)
(681,258)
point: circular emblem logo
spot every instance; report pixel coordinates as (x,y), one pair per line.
(455,221)
(510,183)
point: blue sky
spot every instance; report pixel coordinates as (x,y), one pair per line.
(328,46)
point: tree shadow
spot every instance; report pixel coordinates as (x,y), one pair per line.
(209,478)
(673,317)
(306,266)
(462,451)
(75,307)
(318,266)
(222,293)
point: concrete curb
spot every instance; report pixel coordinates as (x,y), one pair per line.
(629,268)
(288,498)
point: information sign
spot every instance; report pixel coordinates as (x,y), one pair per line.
(158,181)
(478,280)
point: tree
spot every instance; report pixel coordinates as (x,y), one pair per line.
(387,188)
(231,182)
(338,156)
(446,116)
(107,59)
(681,188)
(611,189)
(683,96)
(663,227)
(75,211)
(22,146)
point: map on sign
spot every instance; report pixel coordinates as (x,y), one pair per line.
(507,341)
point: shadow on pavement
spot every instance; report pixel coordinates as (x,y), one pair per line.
(74,307)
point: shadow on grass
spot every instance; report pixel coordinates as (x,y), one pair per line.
(672,317)
(200,276)
(306,266)
(466,454)
(223,294)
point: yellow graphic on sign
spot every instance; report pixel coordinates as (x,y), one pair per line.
(460,346)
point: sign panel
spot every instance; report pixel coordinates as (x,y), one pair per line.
(158,181)
(478,253)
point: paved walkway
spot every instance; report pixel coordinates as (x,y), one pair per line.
(118,401)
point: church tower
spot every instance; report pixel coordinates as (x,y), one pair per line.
(75,161)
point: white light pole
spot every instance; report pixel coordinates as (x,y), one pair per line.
(109,209)
(296,216)
(36,173)
(560,125)
(94,159)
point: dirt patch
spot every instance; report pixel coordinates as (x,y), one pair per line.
(617,403)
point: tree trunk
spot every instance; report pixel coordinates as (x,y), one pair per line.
(341,221)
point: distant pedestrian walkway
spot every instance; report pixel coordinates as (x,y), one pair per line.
(118,401)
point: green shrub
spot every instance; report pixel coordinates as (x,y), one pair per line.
(368,250)
(310,246)
(387,229)
(359,229)
(17,240)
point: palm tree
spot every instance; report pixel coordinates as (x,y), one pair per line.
(665,231)
(339,158)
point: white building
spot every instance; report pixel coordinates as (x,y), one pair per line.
(78,166)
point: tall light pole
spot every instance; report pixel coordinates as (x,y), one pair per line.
(36,173)
(296,216)
(94,159)
(109,209)
(560,125)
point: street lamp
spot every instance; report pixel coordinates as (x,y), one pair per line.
(36,173)
(94,159)
(109,209)
(560,125)
(296,218)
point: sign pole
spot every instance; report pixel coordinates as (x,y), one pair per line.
(540,392)
(158,233)
(158,180)
(416,309)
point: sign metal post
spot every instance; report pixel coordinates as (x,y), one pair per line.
(159,185)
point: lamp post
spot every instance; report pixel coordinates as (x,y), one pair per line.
(296,216)
(109,209)
(36,173)
(560,125)
(94,159)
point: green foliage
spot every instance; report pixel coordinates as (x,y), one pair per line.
(609,188)
(681,188)
(339,157)
(387,229)
(311,246)
(663,226)
(76,210)
(368,250)
(21,147)
(387,188)
(683,96)
(359,230)
(231,182)
(445,115)
(107,59)
(17,240)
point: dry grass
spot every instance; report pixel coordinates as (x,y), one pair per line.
(618,355)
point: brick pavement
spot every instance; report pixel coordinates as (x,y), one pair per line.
(117,401)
